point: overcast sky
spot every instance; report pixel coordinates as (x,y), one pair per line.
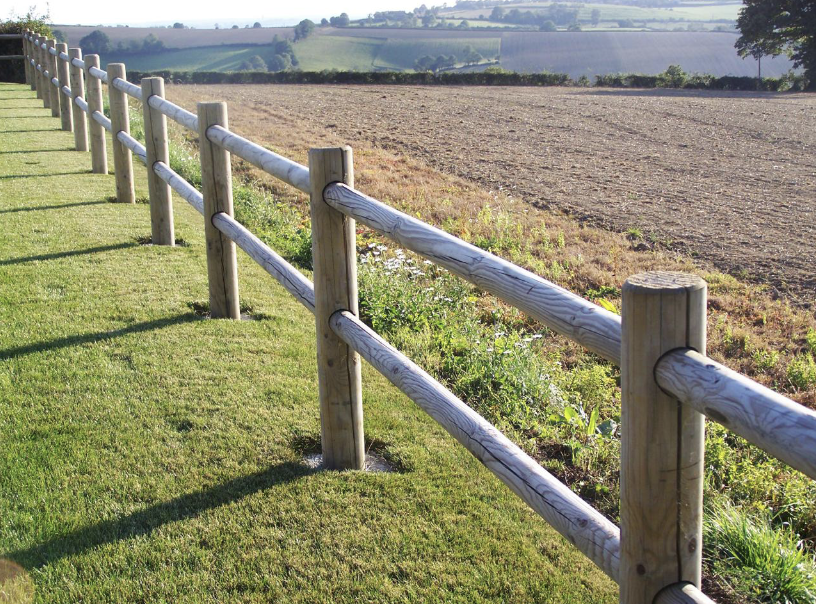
(199,13)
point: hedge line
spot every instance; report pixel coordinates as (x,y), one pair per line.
(668,79)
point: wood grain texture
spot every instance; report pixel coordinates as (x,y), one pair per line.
(53,90)
(334,256)
(682,593)
(662,441)
(66,115)
(99,146)
(80,119)
(185,190)
(588,324)
(774,423)
(174,112)
(121,84)
(278,166)
(157,150)
(576,520)
(120,122)
(216,181)
(284,273)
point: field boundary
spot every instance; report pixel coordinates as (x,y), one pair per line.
(668,384)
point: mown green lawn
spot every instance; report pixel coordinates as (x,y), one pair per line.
(149,454)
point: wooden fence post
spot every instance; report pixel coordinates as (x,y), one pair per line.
(334,254)
(41,89)
(26,54)
(66,116)
(54,92)
(662,444)
(120,122)
(99,147)
(155,127)
(216,185)
(78,90)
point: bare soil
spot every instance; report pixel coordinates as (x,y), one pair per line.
(727,177)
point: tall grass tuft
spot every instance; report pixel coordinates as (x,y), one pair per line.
(763,562)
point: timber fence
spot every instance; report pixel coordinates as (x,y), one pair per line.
(668,384)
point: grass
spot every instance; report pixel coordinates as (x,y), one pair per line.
(317,53)
(205,58)
(767,564)
(151,455)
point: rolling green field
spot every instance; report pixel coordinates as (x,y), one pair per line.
(208,58)
(338,52)
(150,454)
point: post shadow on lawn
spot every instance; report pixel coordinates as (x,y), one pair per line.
(54,207)
(36,150)
(67,254)
(87,338)
(30,130)
(146,521)
(10,176)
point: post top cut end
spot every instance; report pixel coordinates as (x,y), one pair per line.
(664,281)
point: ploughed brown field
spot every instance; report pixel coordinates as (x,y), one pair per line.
(727,177)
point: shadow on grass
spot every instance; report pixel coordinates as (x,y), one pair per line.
(68,254)
(37,150)
(39,130)
(146,521)
(87,338)
(10,176)
(55,207)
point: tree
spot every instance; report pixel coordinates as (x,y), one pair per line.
(324,22)
(548,25)
(341,21)
(178,25)
(428,20)
(256,25)
(59,36)
(497,14)
(424,63)
(280,63)
(304,29)
(471,56)
(254,63)
(96,43)
(234,27)
(595,17)
(773,27)
(152,44)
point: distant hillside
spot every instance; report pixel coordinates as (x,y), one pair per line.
(376,49)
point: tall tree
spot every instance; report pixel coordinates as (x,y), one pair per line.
(773,27)
(96,43)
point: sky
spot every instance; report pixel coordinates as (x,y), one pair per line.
(197,13)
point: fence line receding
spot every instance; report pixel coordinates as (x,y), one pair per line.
(668,384)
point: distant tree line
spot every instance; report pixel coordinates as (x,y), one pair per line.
(280,58)
(470,56)
(559,14)
(97,42)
